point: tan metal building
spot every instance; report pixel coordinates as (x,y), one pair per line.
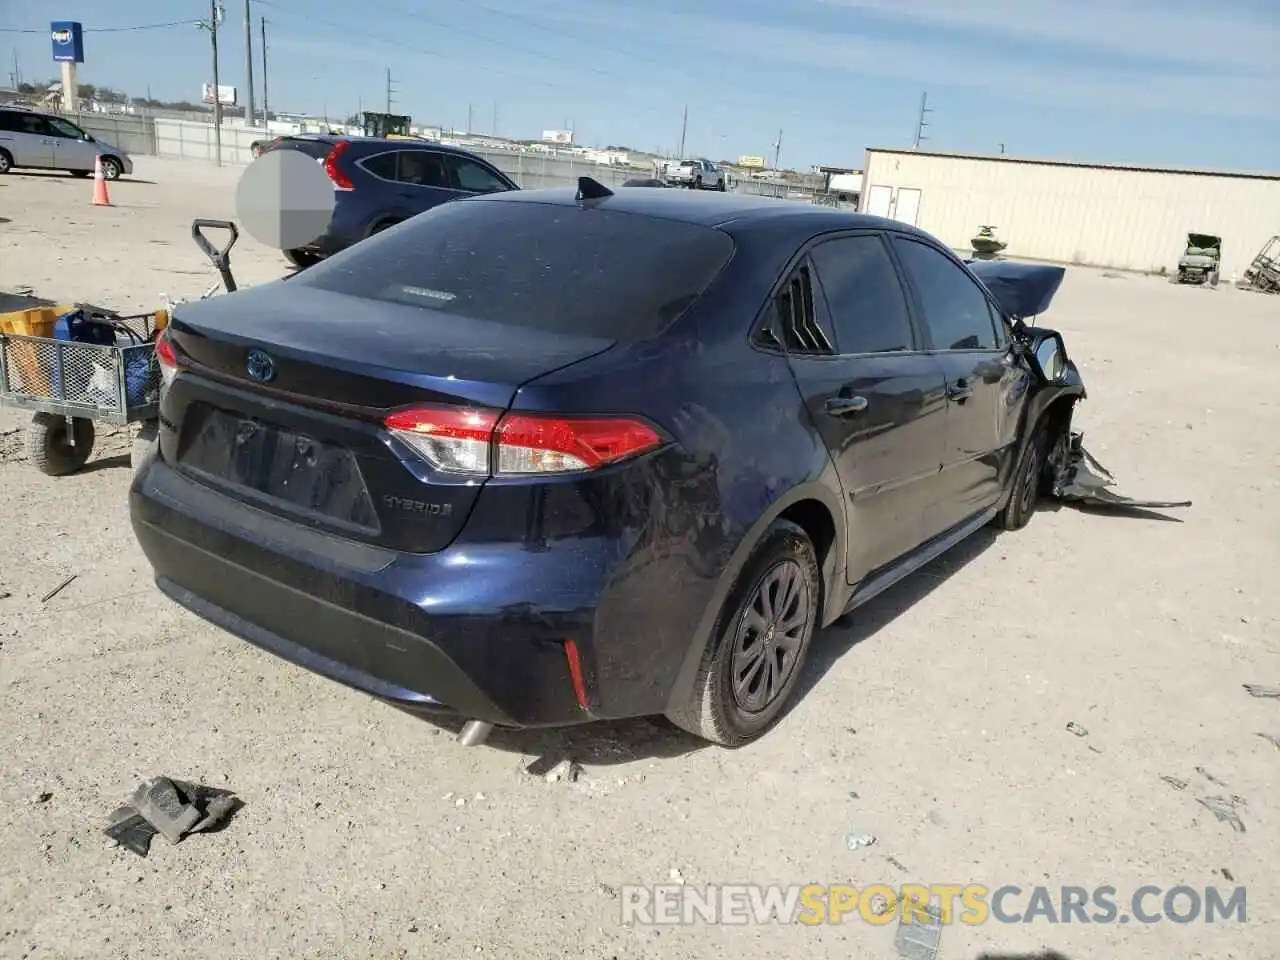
(1106,215)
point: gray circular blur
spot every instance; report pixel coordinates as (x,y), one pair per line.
(284,199)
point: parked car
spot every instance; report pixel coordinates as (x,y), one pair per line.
(381,182)
(35,140)
(697,175)
(544,457)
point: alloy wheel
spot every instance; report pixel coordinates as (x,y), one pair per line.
(771,632)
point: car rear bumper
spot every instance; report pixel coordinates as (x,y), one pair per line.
(416,631)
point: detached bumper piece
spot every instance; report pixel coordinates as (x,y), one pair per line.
(1082,479)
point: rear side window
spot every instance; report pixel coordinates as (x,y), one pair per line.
(381,165)
(24,123)
(562,269)
(866,301)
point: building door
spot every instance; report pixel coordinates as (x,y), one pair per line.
(878,199)
(908,207)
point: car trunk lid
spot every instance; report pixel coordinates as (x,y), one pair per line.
(287,388)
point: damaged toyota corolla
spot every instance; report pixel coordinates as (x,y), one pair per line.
(544,457)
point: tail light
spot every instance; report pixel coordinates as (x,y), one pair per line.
(167,356)
(485,442)
(340,180)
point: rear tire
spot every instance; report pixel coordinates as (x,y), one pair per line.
(49,444)
(761,638)
(301,258)
(1213,279)
(1027,483)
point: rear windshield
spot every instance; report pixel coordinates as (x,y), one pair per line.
(558,268)
(312,148)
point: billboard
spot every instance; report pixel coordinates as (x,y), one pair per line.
(226,95)
(756,163)
(67,41)
(557,136)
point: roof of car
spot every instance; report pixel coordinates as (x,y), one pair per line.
(398,143)
(706,208)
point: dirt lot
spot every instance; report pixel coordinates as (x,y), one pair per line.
(936,723)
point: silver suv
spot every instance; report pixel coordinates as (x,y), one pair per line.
(36,140)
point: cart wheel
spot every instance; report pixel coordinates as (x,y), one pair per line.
(49,443)
(144,445)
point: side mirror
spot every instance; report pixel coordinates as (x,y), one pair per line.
(1050,357)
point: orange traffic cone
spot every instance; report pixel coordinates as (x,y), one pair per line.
(100,198)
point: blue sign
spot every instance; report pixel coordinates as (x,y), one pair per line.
(68,41)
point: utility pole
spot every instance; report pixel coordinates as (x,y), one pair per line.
(469,118)
(777,152)
(216,14)
(249,113)
(921,123)
(684,129)
(266,114)
(390,90)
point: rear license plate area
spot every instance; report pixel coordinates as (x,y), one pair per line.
(276,466)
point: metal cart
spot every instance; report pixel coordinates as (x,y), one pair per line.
(69,384)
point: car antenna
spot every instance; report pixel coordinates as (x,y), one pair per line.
(589,189)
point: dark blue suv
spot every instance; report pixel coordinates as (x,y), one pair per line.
(379,182)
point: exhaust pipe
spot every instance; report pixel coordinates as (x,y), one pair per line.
(474,733)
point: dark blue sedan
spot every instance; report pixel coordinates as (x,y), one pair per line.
(544,457)
(378,183)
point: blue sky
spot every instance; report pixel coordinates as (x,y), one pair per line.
(1177,82)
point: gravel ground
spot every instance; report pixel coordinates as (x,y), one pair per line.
(935,722)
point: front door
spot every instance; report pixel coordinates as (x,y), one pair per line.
(967,336)
(475,178)
(879,402)
(71,151)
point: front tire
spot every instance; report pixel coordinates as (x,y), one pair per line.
(1027,483)
(759,643)
(6,162)
(111,168)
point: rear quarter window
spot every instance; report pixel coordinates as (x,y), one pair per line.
(559,268)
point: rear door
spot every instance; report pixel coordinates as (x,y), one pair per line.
(876,397)
(27,137)
(424,179)
(967,338)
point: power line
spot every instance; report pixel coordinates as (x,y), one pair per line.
(140,26)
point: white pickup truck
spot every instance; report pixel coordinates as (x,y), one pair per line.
(697,175)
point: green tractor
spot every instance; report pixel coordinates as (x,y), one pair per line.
(392,125)
(1200,261)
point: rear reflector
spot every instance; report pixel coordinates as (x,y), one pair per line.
(481,442)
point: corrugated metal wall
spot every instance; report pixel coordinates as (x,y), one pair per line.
(1107,217)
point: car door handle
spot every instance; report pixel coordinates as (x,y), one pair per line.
(845,406)
(960,391)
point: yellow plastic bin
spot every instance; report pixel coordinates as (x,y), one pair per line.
(32,322)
